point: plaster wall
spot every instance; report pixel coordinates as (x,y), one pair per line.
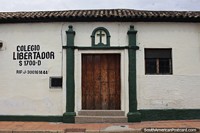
(23,93)
(30,94)
(181,89)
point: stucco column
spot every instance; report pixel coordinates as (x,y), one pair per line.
(69,115)
(133,115)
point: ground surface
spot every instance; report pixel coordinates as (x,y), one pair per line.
(23,127)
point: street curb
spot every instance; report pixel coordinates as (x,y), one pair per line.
(31,131)
(114,131)
(74,130)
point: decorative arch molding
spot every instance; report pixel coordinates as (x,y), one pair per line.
(100,37)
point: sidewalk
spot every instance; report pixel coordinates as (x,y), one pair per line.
(50,127)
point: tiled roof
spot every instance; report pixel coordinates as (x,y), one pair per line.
(112,15)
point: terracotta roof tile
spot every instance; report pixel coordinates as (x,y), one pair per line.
(120,15)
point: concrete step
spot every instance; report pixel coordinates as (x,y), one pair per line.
(101,113)
(100,119)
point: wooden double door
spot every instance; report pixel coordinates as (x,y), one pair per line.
(101,82)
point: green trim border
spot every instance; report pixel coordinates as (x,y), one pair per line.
(69,115)
(107,37)
(140,115)
(101,48)
(169,114)
(133,114)
(31,118)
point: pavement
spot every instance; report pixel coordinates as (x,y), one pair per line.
(50,127)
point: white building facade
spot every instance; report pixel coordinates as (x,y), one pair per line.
(55,64)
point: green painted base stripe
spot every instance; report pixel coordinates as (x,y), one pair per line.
(170,114)
(31,118)
(69,117)
(146,115)
(134,116)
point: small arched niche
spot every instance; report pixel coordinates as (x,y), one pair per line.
(100,37)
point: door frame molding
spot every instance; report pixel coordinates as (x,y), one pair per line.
(129,91)
(123,73)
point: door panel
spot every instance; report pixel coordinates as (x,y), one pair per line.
(101,81)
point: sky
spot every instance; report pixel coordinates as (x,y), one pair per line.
(47,5)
